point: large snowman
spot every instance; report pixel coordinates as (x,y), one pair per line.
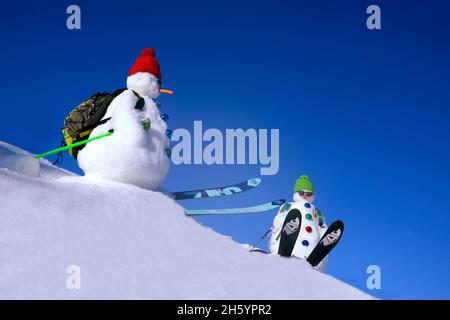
(312,225)
(137,151)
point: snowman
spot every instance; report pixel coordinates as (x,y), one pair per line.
(138,150)
(312,226)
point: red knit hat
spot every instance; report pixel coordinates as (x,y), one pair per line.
(146,62)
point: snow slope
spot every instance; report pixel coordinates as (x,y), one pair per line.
(130,243)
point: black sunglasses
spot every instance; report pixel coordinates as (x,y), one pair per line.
(308,193)
(158,81)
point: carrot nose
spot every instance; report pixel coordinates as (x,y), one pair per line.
(166,91)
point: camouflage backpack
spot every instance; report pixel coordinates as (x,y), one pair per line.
(80,122)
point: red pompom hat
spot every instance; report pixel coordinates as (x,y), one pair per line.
(146,62)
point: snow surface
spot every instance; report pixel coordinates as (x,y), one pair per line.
(131,243)
(22,162)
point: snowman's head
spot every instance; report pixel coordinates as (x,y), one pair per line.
(304,190)
(144,76)
(145,84)
(304,195)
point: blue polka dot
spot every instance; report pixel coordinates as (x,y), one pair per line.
(165,117)
(305,243)
(307,205)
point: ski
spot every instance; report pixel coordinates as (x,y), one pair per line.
(328,241)
(255,209)
(217,192)
(289,232)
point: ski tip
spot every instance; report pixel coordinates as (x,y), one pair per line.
(278,202)
(340,223)
(254,182)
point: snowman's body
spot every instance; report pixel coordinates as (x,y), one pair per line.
(131,154)
(309,234)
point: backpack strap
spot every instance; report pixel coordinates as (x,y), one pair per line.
(117,92)
(285,207)
(93,126)
(319,217)
(140,103)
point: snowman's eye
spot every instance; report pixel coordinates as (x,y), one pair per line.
(158,81)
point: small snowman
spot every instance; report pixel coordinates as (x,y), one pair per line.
(138,150)
(312,225)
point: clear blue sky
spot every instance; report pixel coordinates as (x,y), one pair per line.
(364,113)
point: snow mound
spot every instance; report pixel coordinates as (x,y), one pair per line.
(131,243)
(22,162)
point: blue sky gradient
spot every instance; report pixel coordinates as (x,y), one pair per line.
(364,113)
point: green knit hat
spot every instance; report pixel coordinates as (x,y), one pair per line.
(303,183)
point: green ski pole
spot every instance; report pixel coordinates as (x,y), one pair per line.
(72,145)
